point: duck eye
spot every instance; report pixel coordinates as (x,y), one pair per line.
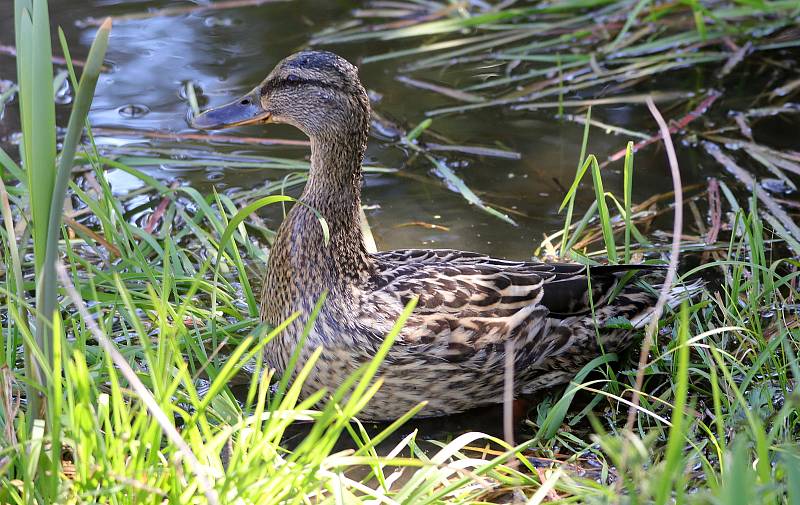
(291,78)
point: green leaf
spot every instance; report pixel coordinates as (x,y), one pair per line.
(570,196)
(618,322)
(602,206)
(673,459)
(555,417)
(417,131)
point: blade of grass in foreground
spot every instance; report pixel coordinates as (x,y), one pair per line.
(37,113)
(142,391)
(37,117)
(558,412)
(77,119)
(674,457)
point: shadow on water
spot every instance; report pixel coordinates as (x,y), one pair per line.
(225,52)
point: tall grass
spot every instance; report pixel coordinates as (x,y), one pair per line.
(46,180)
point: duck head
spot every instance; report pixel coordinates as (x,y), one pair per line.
(318,92)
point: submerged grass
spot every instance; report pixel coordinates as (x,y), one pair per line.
(157,321)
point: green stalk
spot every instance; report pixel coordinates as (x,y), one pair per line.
(46,287)
(602,207)
(37,113)
(37,117)
(627,189)
(35,75)
(673,459)
(571,193)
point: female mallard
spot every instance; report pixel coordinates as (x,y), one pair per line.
(451,351)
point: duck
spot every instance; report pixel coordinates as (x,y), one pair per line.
(472,310)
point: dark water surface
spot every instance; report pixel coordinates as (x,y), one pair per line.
(227,52)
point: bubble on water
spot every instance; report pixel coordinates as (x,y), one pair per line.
(212,21)
(215,176)
(776,186)
(133,111)
(385,130)
(63,95)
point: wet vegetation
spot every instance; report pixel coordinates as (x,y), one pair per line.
(129,371)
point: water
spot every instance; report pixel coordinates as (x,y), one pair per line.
(226,52)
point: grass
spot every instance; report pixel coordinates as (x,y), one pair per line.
(157,318)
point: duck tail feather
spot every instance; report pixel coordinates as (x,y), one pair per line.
(621,269)
(677,295)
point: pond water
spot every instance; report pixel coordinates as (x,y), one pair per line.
(226,52)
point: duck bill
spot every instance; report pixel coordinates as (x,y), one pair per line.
(242,111)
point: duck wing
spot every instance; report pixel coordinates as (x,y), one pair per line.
(468,300)
(473,277)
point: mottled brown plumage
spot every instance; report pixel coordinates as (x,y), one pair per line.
(451,351)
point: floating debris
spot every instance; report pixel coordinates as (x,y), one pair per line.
(423,224)
(774,210)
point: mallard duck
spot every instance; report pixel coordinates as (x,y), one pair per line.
(452,349)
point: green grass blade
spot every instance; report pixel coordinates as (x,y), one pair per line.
(602,207)
(627,190)
(456,182)
(673,460)
(571,194)
(558,412)
(77,120)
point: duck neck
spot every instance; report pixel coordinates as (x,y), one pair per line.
(334,181)
(334,190)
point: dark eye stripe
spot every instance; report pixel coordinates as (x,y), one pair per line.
(294,80)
